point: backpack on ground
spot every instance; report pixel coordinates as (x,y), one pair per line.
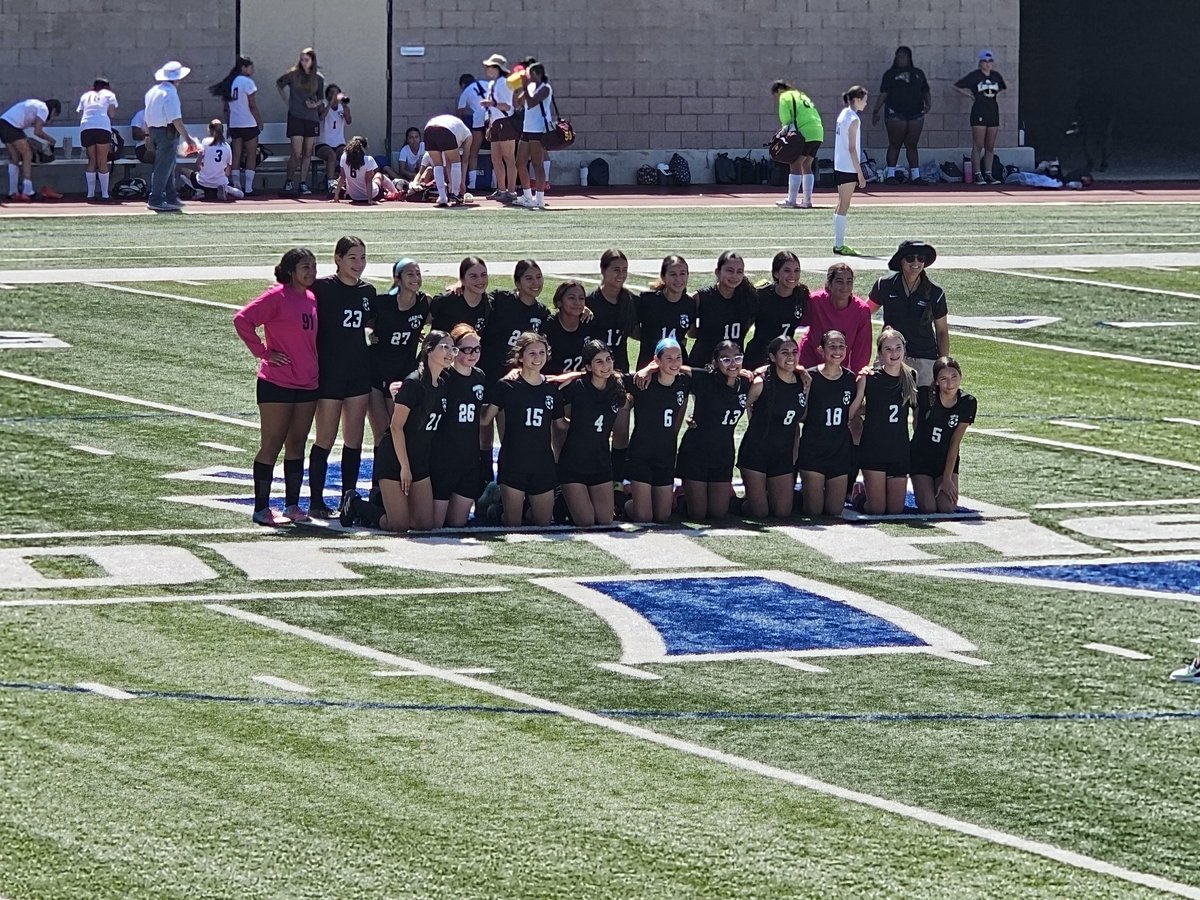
(130,188)
(647,176)
(998,168)
(951,172)
(598,172)
(779,174)
(679,170)
(747,170)
(724,169)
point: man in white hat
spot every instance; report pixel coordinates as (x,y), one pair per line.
(164,121)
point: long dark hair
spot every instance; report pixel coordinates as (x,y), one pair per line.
(356,151)
(224,87)
(942,362)
(427,346)
(290,262)
(615,388)
(903,48)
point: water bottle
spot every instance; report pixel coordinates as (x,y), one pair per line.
(968,178)
(1021,135)
(583,175)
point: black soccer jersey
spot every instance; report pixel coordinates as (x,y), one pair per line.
(399,337)
(593,412)
(427,407)
(775,316)
(659,318)
(458,435)
(883,446)
(825,442)
(717,410)
(657,413)
(566,347)
(769,442)
(935,425)
(343,313)
(450,309)
(718,319)
(613,323)
(509,317)
(528,411)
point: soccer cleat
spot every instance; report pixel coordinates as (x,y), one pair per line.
(1189,673)
(318,509)
(294,513)
(804,204)
(270,518)
(456,200)
(20,198)
(787,204)
(348,507)
(443,203)
(496,195)
(919,182)
(305,190)
(846,250)
(891,180)
(288,188)
(49,193)
(393,195)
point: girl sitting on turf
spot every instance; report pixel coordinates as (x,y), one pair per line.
(943,414)
(215,165)
(825,446)
(359,179)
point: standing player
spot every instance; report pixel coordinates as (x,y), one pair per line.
(237,90)
(825,445)
(565,330)
(725,310)
(592,403)
(797,113)
(614,319)
(890,392)
(446,139)
(474,115)
(776,405)
(530,403)
(95,134)
(287,379)
(400,316)
(455,469)
(915,306)
(983,86)
(35,114)
(403,462)
(531,151)
(331,142)
(781,306)
(667,311)
(943,413)
(513,313)
(658,413)
(706,453)
(837,308)
(345,308)
(847,164)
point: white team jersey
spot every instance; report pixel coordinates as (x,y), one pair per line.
(472,98)
(138,120)
(333,127)
(500,92)
(359,182)
(94,105)
(410,159)
(23,114)
(462,133)
(844,155)
(240,115)
(539,119)
(212,165)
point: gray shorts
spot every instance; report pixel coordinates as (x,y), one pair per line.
(924,370)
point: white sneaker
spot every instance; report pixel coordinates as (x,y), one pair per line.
(294,513)
(787,204)
(1189,673)
(525,202)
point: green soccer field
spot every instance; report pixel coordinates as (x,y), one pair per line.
(975,707)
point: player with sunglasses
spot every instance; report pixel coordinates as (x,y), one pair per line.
(455,465)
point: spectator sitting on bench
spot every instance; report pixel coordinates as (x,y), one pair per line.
(214,168)
(409,159)
(144,151)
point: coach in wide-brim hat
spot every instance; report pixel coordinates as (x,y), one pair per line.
(908,248)
(172,71)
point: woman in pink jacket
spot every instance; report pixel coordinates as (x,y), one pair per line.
(837,308)
(287,379)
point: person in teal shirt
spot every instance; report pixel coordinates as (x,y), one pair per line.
(798,114)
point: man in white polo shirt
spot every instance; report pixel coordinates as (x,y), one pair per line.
(26,114)
(164,122)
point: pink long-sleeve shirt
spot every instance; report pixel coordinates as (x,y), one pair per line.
(288,319)
(854,322)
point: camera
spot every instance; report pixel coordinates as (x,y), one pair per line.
(343,98)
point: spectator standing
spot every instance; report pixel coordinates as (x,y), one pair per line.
(915,307)
(983,86)
(164,122)
(539,96)
(904,97)
(95,134)
(35,114)
(501,133)
(237,90)
(304,95)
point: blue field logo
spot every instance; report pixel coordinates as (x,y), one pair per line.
(750,615)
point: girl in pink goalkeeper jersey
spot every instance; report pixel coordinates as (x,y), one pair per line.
(287,379)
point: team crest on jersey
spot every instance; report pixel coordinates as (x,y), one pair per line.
(477,390)
(415,322)
(679,398)
(742,400)
(953,421)
(549,402)
(685,322)
(444,404)
(846,397)
(366,303)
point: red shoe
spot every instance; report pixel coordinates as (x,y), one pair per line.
(393,195)
(49,193)
(20,198)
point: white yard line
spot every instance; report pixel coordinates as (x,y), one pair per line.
(123,289)
(237,598)
(905,810)
(1112,650)
(1091,283)
(628,671)
(1107,504)
(121,398)
(1083,448)
(1076,351)
(227,448)
(403,673)
(1177,421)
(1071,423)
(283,684)
(94,451)
(148,532)
(788,663)
(105,690)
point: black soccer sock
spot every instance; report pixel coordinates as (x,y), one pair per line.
(351,463)
(852,477)
(264,474)
(618,463)
(318,466)
(485,466)
(293,478)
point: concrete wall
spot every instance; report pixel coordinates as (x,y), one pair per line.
(630,75)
